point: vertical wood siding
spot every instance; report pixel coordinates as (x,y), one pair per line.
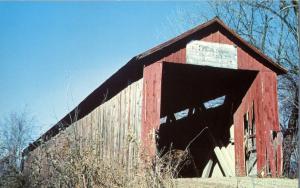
(113,129)
(133,115)
(117,123)
(151,106)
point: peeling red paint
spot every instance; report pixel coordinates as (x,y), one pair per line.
(263,93)
(151,105)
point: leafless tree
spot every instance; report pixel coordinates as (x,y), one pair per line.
(272,27)
(15,133)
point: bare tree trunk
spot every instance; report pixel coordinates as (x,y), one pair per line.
(289,139)
(296,10)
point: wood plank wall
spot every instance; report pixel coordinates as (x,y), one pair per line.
(112,130)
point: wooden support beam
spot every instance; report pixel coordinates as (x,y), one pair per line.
(222,160)
(151,106)
(226,155)
(207,169)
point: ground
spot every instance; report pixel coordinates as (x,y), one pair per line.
(236,182)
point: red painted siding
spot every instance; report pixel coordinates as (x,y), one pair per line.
(263,92)
(176,57)
(151,105)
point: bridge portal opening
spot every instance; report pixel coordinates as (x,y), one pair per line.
(197,108)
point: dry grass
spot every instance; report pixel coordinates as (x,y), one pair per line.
(68,160)
(85,169)
(72,160)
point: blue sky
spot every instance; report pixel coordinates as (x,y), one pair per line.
(52,55)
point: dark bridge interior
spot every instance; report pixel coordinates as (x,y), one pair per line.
(185,111)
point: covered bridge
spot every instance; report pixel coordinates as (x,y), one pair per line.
(207,78)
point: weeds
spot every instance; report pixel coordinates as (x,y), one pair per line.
(70,160)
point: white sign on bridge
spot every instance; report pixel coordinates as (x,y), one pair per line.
(211,54)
